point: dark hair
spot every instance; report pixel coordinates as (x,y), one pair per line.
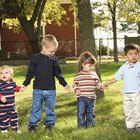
(131,47)
(85,58)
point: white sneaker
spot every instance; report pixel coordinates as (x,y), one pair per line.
(4,131)
(18,132)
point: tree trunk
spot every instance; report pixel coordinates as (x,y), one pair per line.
(32,36)
(138,23)
(115,37)
(87,40)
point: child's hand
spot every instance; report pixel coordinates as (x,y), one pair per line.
(22,88)
(67,87)
(77,92)
(3,99)
(106,85)
(102,87)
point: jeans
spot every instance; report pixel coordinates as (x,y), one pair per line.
(40,96)
(85,112)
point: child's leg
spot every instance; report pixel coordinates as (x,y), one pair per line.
(81,111)
(14,120)
(128,110)
(136,102)
(4,121)
(50,98)
(90,115)
(35,114)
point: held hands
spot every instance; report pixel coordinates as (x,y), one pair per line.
(3,99)
(67,87)
(22,88)
(104,86)
(107,84)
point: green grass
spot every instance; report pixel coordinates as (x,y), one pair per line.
(110,124)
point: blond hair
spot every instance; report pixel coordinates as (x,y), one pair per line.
(7,67)
(49,40)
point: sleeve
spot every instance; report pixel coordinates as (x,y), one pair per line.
(97,81)
(58,73)
(75,84)
(119,74)
(30,73)
(17,88)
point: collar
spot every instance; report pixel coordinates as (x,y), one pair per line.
(133,65)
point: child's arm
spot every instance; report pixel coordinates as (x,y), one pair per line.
(76,86)
(19,88)
(67,87)
(2,98)
(107,84)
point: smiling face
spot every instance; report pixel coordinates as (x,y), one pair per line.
(132,56)
(5,74)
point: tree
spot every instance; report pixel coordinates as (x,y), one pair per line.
(129,15)
(29,13)
(112,5)
(87,39)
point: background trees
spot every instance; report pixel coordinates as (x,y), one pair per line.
(29,14)
(123,15)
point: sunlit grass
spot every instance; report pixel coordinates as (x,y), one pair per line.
(110,124)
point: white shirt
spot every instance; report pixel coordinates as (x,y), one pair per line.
(130,74)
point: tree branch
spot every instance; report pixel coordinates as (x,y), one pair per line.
(36,11)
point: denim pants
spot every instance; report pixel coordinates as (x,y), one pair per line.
(85,112)
(40,96)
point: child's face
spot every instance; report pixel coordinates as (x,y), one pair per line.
(88,67)
(49,50)
(132,56)
(5,75)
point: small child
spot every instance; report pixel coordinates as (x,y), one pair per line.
(85,84)
(129,72)
(8,112)
(44,67)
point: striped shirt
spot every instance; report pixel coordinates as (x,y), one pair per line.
(86,83)
(7,90)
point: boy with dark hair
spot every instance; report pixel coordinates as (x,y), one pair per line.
(129,72)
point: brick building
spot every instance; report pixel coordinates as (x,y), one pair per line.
(16,44)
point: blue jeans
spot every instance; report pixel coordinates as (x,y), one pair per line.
(85,112)
(40,96)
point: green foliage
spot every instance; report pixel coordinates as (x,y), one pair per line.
(129,15)
(110,124)
(53,12)
(102,50)
(100,16)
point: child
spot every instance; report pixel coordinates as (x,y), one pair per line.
(8,112)
(85,84)
(44,67)
(129,72)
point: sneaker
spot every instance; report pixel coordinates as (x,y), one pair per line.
(18,132)
(3,131)
(131,129)
(32,129)
(138,129)
(48,127)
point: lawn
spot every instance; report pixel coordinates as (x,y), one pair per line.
(110,123)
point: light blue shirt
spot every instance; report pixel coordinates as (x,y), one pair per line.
(130,76)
